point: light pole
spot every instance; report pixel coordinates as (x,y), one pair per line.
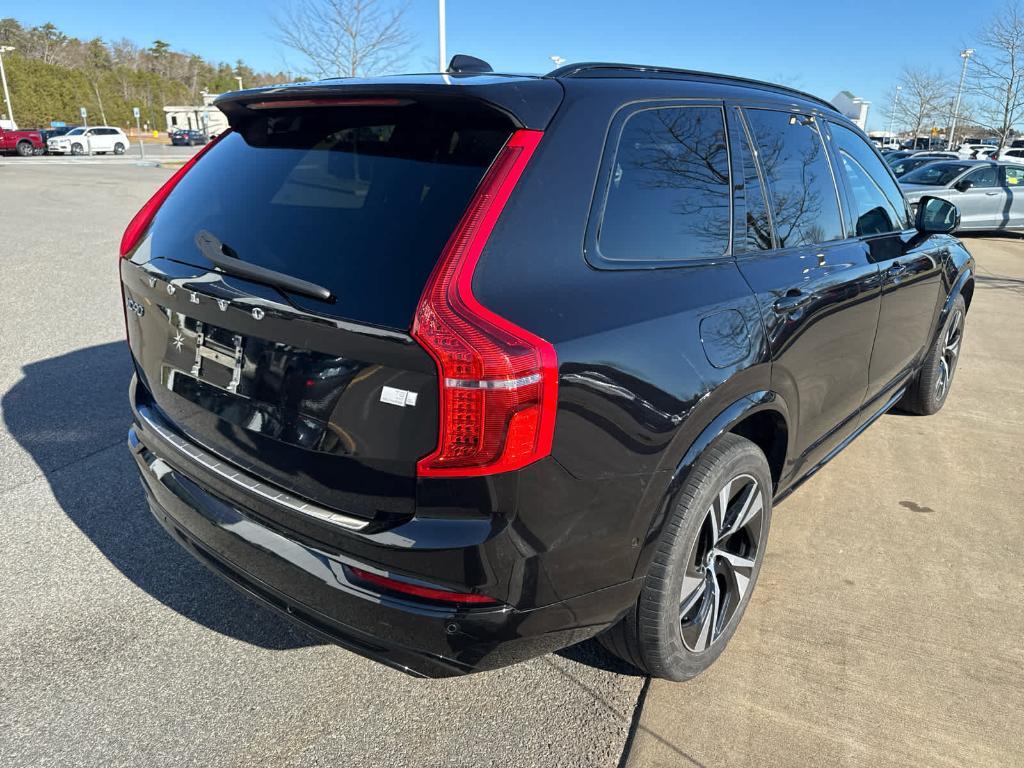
(892,117)
(442,55)
(3,77)
(966,56)
(239,80)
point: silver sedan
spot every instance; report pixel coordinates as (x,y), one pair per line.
(990,195)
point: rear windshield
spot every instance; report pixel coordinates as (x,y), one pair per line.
(360,200)
(935,174)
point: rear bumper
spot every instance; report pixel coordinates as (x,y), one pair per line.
(312,586)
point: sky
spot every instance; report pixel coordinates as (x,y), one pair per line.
(818,47)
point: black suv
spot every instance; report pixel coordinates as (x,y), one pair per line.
(460,369)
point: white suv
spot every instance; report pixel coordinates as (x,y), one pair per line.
(98,139)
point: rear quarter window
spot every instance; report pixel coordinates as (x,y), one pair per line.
(666,197)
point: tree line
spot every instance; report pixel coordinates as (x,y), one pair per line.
(52,75)
(992,102)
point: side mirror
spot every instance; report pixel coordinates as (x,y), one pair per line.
(963,185)
(936,216)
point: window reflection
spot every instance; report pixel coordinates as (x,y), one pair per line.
(669,193)
(805,208)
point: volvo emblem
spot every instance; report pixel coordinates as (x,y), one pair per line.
(257,313)
(134,306)
(222,304)
(171,289)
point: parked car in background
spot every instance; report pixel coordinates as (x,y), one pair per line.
(24,143)
(1009,154)
(487,427)
(188,138)
(891,157)
(969,150)
(908,164)
(97,140)
(989,195)
(937,154)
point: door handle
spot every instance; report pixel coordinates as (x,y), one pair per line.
(896,269)
(793,300)
(991,194)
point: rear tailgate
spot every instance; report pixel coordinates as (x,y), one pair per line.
(332,401)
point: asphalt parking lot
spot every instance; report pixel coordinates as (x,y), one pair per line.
(885,631)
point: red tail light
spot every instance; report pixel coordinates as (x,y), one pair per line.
(415,590)
(137,226)
(498,382)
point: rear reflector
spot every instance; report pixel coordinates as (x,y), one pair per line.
(498,382)
(415,590)
(140,223)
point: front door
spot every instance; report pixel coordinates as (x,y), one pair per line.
(910,270)
(982,206)
(816,287)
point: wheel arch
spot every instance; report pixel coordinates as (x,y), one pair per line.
(761,417)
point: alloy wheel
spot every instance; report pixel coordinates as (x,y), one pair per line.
(722,561)
(950,355)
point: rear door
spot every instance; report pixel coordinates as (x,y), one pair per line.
(330,400)
(1013,183)
(817,288)
(910,269)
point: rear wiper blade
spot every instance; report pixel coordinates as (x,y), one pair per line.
(216,252)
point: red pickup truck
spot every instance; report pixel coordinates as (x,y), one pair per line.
(24,143)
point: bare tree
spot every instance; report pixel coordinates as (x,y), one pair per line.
(350,38)
(923,100)
(997,73)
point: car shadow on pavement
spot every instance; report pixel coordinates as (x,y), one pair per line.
(71,414)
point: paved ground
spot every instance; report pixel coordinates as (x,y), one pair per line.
(886,628)
(115,647)
(885,631)
(154,153)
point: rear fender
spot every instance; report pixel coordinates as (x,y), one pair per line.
(662,496)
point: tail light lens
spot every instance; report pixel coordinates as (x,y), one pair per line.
(140,223)
(408,589)
(498,382)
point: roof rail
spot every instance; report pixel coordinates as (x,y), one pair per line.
(582,68)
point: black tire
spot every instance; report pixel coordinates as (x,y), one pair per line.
(930,388)
(669,633)
(25,148)
(119,148)
(77,149)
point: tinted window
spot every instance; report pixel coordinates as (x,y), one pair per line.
(668,196)
(879,205)
(804,205)
(935,174)
(757,229)
(984,177)
(359,200)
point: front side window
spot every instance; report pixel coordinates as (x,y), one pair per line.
(984,177)
(804,202)
(668,196)
(878,202)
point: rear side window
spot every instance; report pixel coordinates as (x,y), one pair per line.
(878,202)
(804,202)
(360,200)
(668,197)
